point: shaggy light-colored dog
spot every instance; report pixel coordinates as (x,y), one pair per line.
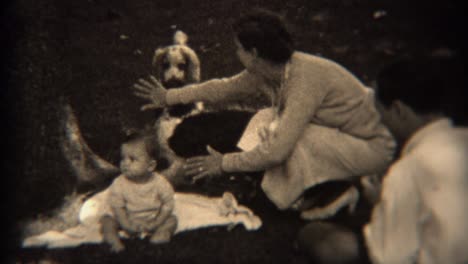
(176,66)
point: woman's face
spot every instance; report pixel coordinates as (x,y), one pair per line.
(247,58)
(399,119)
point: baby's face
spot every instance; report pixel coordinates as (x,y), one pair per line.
(135,161)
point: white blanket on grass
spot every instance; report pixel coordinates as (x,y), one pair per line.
(193,211)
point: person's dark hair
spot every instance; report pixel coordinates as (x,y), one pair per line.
(148,139)
(267,33)
(427,85)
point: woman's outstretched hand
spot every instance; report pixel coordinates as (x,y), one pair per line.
(152,91)
(204,166)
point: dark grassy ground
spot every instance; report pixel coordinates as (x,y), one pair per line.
(89,52)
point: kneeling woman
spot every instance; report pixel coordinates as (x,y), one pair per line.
(325,126)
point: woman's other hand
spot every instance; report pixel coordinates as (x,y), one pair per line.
(151,90)
(204,166)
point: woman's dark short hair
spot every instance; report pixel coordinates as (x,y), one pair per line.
(267,33)
(426,84)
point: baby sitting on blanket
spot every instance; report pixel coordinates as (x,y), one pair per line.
(142,201)
(78,221)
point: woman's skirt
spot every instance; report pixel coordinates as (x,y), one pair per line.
(322,154)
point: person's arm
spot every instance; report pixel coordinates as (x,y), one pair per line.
(117,204)
(392,236)
(214,91)
(303,97)
(166,195)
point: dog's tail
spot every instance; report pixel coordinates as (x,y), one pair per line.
(180,38)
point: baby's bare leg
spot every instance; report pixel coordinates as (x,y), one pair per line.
(164,232)
(110,233)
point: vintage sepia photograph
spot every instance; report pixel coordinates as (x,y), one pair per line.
(222,131)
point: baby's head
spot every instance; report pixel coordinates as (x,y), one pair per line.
(139,155)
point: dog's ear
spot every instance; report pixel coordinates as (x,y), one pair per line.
(157,60)
(158,54)
(193,75)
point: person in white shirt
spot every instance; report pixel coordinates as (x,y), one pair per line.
(421,215)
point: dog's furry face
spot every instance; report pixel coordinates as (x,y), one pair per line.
(176,66)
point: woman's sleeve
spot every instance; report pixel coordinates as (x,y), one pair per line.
(216,90)
(303,96)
